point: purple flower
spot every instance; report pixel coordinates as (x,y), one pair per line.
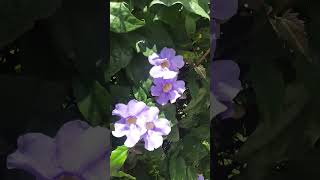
(131,123)
(200,177)
(223,9)
(225,85)
(166,64)
(78,152)
(156,128)
(167,90)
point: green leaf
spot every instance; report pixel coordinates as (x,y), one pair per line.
(193,150)
(191,5)
(117,159)
(120,57)
(169,111)
(192,173)
(93,101)
(121,19)
(138,70)
(174,134)
(140,94)
(122,174)
(18,16)
(177,168)
(196,104)
(190,24)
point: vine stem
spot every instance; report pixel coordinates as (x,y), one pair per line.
(203,57)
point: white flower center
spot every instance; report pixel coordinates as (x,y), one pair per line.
(150,125)
(131,120)
(167,87)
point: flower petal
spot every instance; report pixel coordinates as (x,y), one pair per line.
(156,90)
(150,115)
(173,96)
(156,72)
(133,136)
(35,154)
(224,9)
(162,99)
(163,126)
(179,86)
(135,107)
(79,145)
(169,74)
(177,62)
(120,110)
(167,53)
(99,170)
(153,140)
(120,128)
(216,106)
(152,58)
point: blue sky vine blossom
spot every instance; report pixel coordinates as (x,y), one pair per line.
(78,152)
(167,90)
(166,64)
(223,10)
(200,177)
(224,87)
(131,123)
(138,121)
(156,128)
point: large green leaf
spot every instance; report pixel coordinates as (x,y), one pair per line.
(120,57)
(117,159)
(121,19)
(191,5)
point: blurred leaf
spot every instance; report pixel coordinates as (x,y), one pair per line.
(269,87)
(93,101)
(18,16)
(267,131)
(121,19)
(117,159)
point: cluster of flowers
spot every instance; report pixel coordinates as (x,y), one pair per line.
(139,121)
(225,84)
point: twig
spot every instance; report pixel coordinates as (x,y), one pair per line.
(203,57)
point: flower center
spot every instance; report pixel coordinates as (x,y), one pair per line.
(167,87)
(150,125)
(66,177)
(165,64)
(131,120)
